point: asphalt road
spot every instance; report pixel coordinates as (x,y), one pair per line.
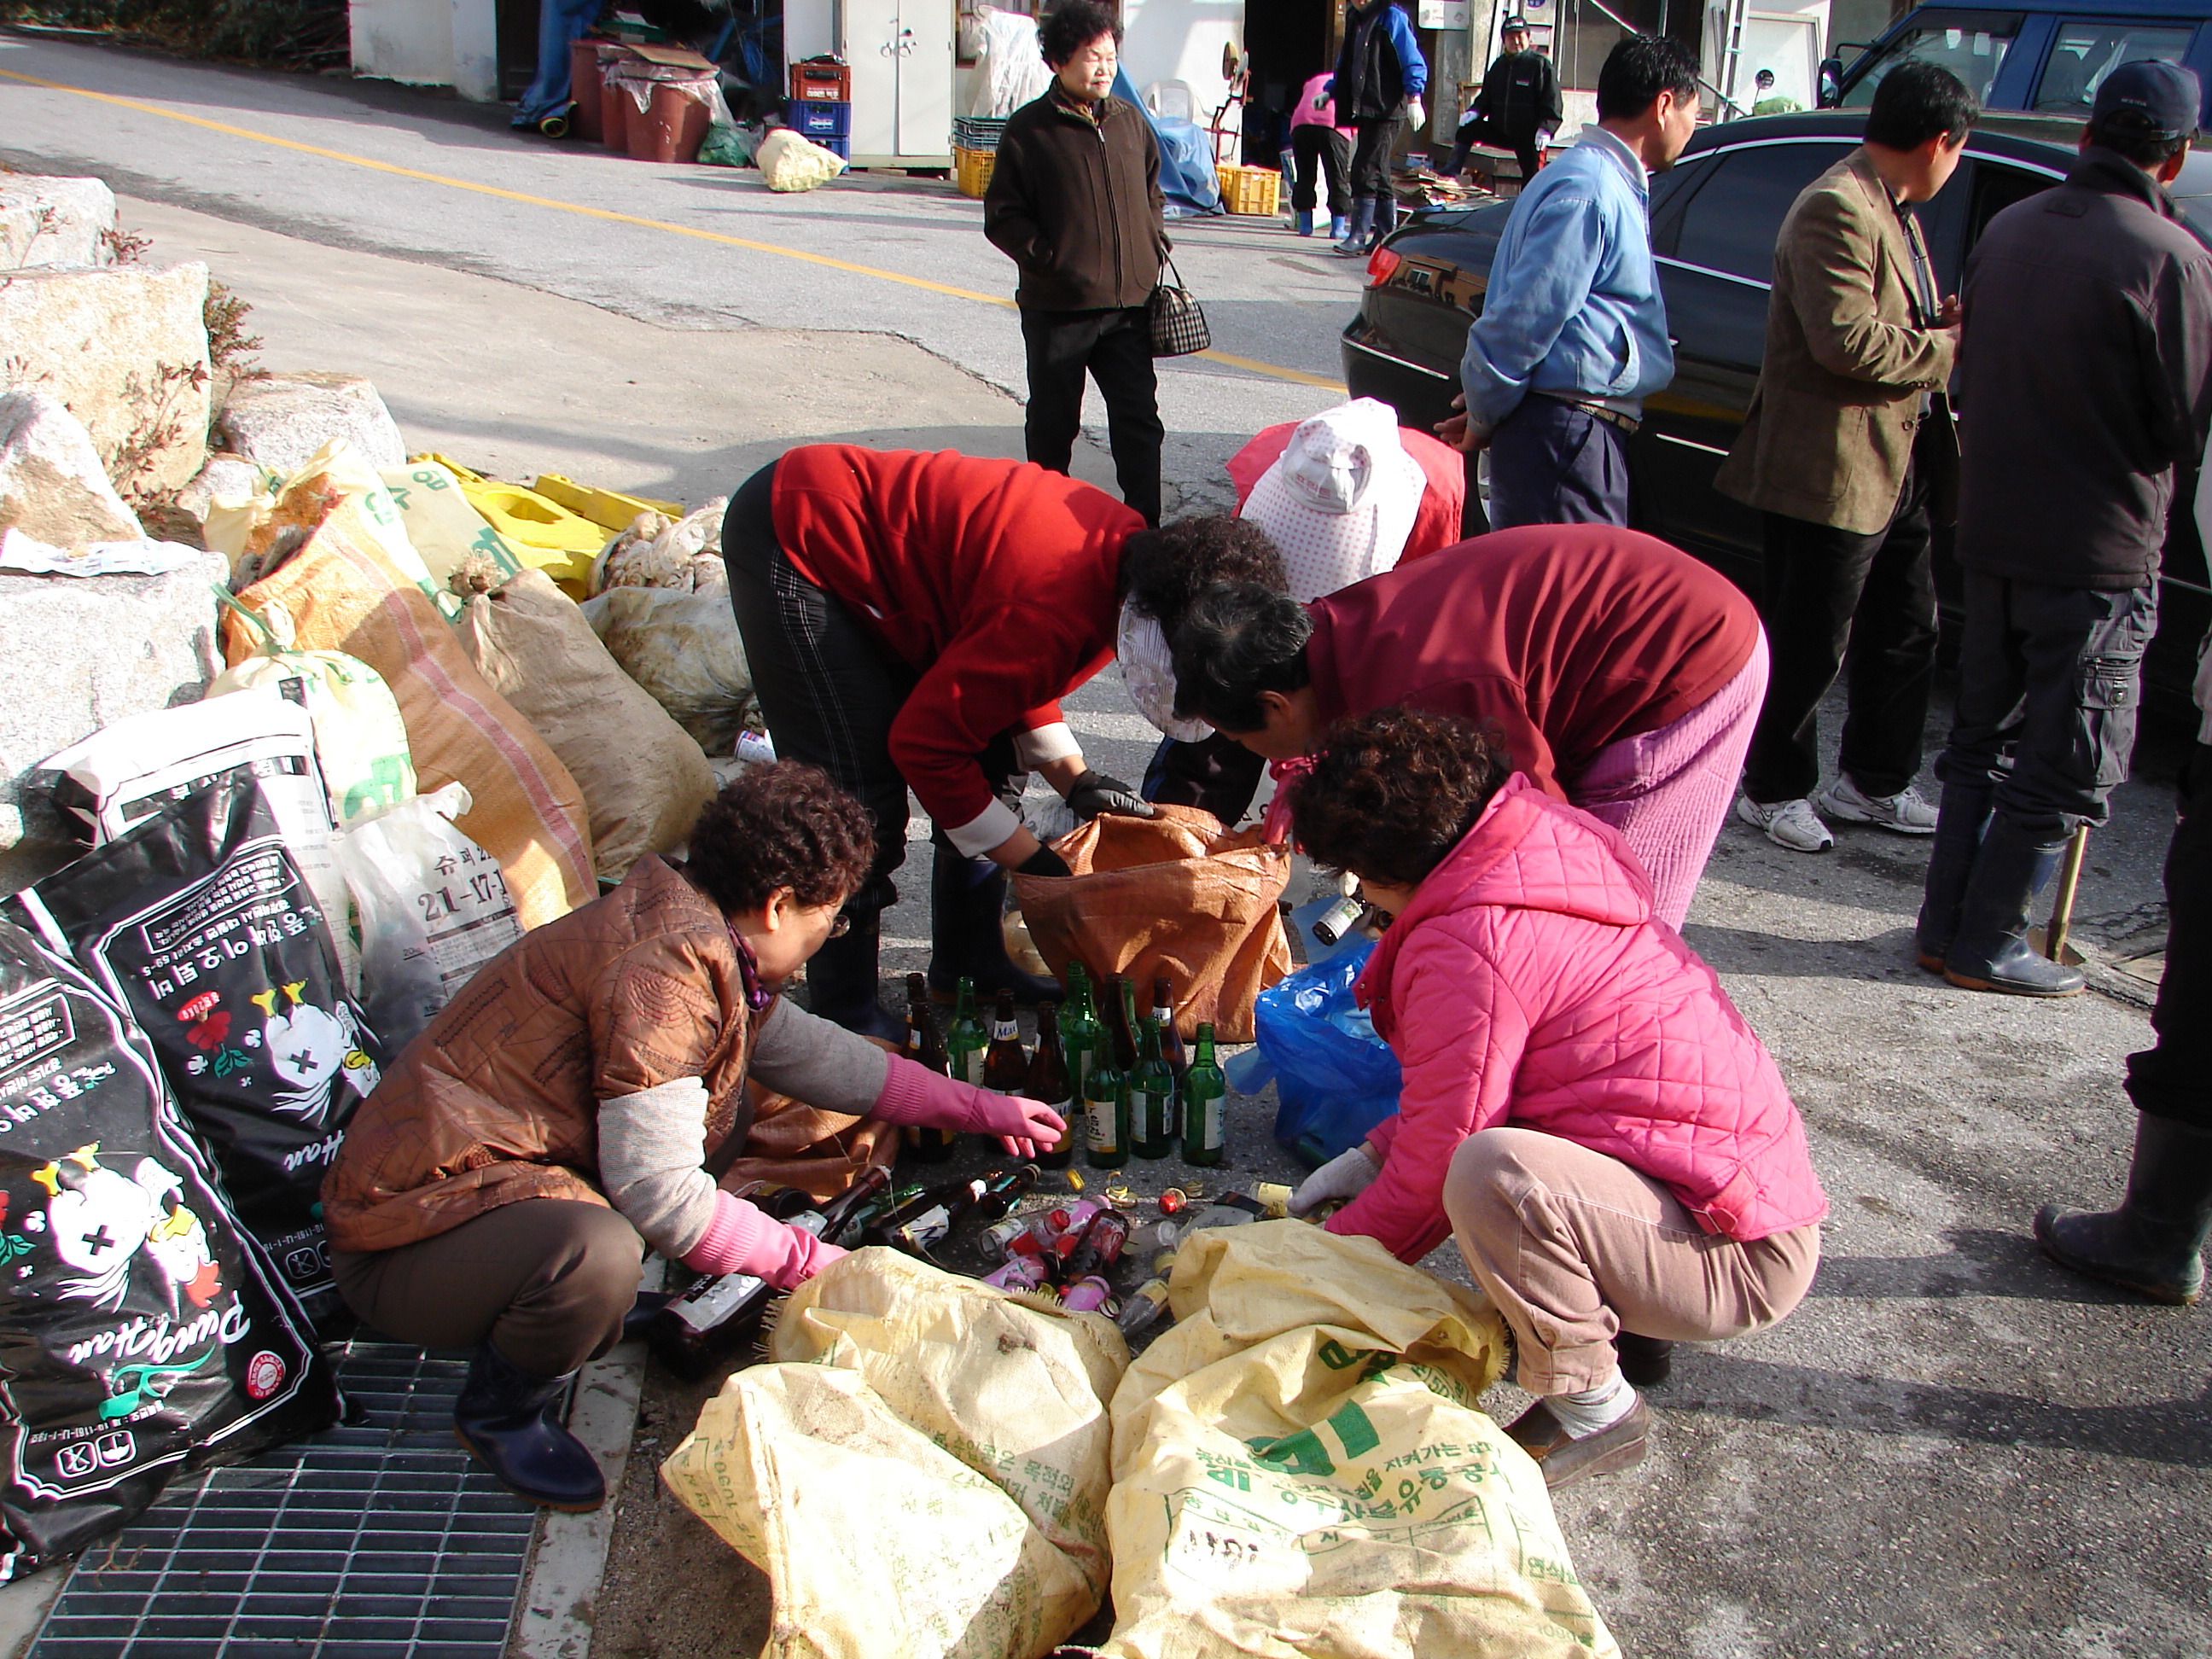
(1952,1448)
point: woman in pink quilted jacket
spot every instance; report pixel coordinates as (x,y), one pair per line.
(1583,1108)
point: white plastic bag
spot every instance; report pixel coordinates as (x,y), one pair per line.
(432,908)
(360,741)
(789,162)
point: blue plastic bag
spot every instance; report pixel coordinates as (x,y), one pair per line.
(1335,1078)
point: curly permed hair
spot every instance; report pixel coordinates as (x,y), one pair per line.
(1163,570)
(1392,792)
(1070,26)
(784,824)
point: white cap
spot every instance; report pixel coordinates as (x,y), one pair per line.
(1341,500)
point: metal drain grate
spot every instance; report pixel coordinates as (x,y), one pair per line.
(385,1541)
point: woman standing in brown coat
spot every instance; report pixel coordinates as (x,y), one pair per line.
(498,1189)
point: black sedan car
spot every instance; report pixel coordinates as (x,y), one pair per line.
(1715,218)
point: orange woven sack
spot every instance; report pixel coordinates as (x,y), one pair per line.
(1174,895)
(343,594)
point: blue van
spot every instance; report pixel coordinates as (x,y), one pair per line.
(2045,60)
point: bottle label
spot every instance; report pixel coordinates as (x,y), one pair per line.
(971,1066)
(715,1301)
(1209,1124)
(1149,1115)
(1101,1114)
(1010,1031)
(926,1229)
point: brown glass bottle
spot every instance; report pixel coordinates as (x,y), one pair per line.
(923,1143)
(1171,1048)
(1005,1062)
(1119,1016)
(1048,1082)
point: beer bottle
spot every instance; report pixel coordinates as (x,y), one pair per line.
(1171,1049)
(1048,1082)
(1205,1111)
(1106,1115)
(721,1314)
(1005,1062)
(1082,1040)
(925,1144)
(966,1039)
(1002,1188)
(1151,1098)
(925,1220)
(1120,1018)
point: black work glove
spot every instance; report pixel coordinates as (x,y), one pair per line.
(1095,793)
(1044,862)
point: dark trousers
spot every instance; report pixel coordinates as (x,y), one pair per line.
(2048,685)
(829,689)
(1832,595)
(2175,1079)
(1371,144)
(1318,150)
(1551,463)
(546,1281)
(1115,348)
(1527,147)
(1217,775)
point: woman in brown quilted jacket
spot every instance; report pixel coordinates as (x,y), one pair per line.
(499,1189)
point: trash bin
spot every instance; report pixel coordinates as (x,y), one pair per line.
(616,107)
(585,58)
(674,123)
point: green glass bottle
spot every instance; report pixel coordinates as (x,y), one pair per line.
(1106,1115)
(1082,1038)
(1205,1107)
(966,1042)
(1151,1097)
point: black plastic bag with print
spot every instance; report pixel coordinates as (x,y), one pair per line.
(200,922)
(143,1334)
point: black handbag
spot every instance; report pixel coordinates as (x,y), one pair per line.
(1178,326)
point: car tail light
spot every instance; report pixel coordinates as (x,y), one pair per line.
(1381,264)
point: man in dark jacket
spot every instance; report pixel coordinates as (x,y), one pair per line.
(2086,366)
(1380,77)
(1074,201)
(1518,107)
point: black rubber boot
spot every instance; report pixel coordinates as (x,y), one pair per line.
(1645,1361)
(1959,828)
(2153,1244)
(1990,953)
(841,978)
(967,897)
(511,1420)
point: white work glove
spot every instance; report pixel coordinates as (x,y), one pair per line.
(1343,1177)
(1417,113)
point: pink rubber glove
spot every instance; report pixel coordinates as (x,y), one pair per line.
(915,1094)
(743,1239)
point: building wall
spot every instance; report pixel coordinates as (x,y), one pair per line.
(427,43)
(1182,40)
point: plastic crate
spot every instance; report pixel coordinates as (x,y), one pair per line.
(1255,193)
(819,121)
(836,142)
(971,169)
(977,131)
(823,83)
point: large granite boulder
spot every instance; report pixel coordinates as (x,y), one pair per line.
(55,222)
(52,485)
(281,420)
(126,348)
(78,652)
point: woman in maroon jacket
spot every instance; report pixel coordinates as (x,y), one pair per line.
(1623,676)
(913,620)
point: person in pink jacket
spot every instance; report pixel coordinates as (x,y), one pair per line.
(1584,1111)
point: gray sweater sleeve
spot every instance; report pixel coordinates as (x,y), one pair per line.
(811,1059)
(652,1144)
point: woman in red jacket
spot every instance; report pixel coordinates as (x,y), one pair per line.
(913,620)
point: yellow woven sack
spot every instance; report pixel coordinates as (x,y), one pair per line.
(921,1474)
(1302,1471)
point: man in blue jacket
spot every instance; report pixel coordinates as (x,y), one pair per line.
(1573,332)
(1380,77)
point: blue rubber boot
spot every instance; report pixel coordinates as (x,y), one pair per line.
(1339,227)
(1305,223)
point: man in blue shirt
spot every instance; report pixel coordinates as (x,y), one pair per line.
(1573,331)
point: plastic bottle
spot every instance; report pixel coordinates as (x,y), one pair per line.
(1086,1295)
(1205,1107)
(1049,1081)
(1151,1098)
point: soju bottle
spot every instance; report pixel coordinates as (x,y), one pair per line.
(1005,1062)
(1106,1115)
(1171,1048)
(1048,1082)
(924,1144)
(1204,1113)
(1082,1039)
(966,1041)
(1151,1098)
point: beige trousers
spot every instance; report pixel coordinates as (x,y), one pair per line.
(1574,1246)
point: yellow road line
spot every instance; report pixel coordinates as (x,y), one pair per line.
(608,216)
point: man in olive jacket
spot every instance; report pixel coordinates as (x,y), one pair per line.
(1074,201)
(1848,451)
(2086,387)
